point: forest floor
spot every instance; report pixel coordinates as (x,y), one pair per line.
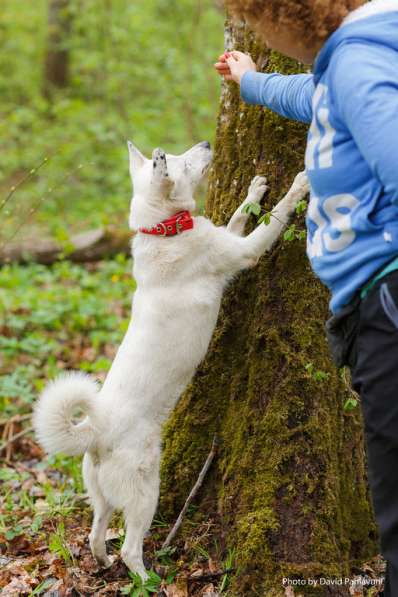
(73,317)
(44,532)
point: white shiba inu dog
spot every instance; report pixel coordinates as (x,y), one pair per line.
(181,265)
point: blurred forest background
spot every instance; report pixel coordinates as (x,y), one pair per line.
(80,77)
(77,79)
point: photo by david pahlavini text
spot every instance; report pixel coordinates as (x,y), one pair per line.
(362,581)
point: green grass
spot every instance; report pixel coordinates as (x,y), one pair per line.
(65,316)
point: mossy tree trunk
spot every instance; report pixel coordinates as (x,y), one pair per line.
(288,490)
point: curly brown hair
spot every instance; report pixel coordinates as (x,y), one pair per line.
(313,19)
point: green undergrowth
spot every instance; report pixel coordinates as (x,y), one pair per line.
(60,317)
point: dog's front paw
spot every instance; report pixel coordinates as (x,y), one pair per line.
(258,188)
(301,183)
(299,189)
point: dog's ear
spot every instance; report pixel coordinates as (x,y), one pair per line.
(160,175)
(137,160)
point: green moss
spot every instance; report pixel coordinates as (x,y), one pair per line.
(289,483)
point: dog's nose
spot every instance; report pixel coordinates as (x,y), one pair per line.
(205,144)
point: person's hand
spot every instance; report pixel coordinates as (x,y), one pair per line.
(233,65)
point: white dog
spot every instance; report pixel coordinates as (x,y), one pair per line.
(181,265)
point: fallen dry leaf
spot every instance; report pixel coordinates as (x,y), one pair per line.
(175,590)
(213,566)
(197,572)
(19,586)
(209,591)
(113,534)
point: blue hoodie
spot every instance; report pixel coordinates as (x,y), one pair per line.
(351,159)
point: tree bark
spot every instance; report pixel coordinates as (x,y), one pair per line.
(57,56)
(288,490)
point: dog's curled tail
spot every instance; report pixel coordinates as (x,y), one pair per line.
(53,414)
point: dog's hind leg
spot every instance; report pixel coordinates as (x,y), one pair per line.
(102,513)
(138,514)
(256,192)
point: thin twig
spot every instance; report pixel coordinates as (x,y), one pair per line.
(194,491)
(276,218)
(39,202)
(15,437)
(265,212)
(31,173)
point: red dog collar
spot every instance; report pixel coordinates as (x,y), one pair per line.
(178,223)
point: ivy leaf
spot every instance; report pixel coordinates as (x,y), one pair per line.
(289,234)
(265,218)
(350,404)
(256,209)
(252,208)
(302,235)
(301,206)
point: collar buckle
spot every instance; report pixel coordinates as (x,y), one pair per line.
(161,229)
(179,226)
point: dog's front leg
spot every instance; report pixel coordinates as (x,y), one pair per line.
(256,192)
(233,253)
(263,237)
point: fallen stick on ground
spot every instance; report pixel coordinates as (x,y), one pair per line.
(193,492)
(83,247)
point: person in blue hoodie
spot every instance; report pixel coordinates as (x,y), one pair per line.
(351,103)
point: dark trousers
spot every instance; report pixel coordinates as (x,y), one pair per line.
(375,378)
